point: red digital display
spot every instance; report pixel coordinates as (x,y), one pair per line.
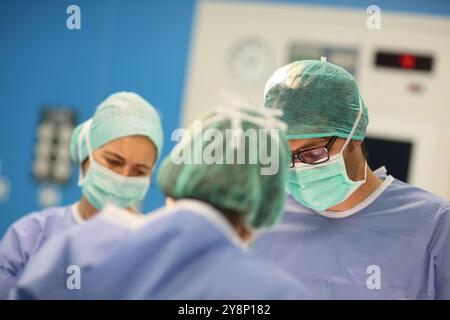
(405,61)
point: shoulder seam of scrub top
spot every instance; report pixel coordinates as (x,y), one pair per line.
(360,206)
(76,215)
(122,217)
(213,216)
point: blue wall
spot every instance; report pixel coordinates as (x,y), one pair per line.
(133,45)
(122,45)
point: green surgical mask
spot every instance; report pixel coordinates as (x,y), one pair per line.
(101,185)
(325,185)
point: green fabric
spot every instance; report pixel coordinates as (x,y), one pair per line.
(122,114)
(319,99)
(240,188)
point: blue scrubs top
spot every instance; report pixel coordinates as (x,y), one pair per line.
(26,236)
(187,251)
(393,245)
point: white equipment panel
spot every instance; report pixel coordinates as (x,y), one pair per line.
(237,46)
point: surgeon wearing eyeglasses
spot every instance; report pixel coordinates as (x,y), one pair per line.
(350,232)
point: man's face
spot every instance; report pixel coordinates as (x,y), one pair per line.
(353,156)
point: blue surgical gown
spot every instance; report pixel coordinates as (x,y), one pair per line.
(394,245)
(187,251)
(25,237)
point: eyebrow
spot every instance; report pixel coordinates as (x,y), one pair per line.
(113,154)
(144,166)
(116,155)
(309,145)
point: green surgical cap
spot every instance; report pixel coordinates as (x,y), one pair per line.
(241,188)
(122,114)
(319,99)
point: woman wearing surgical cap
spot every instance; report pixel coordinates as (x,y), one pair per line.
(196,248)
(116,151)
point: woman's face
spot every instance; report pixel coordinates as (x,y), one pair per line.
(132,156)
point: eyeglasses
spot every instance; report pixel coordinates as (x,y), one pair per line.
(313,155)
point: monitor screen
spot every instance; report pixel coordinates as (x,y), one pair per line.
(395,155)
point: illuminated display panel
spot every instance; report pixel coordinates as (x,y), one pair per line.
(403,61)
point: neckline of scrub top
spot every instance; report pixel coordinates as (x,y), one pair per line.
(122,217)
(79,218)
(360,206)
(76,215)
(214,217)
(381,171)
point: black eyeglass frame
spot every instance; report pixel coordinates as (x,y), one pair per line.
(327,148)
